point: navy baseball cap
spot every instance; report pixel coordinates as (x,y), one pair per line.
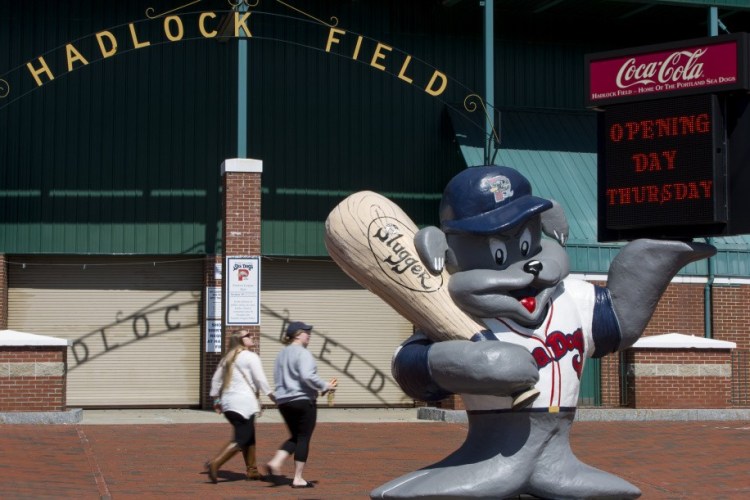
(489,199)
(295,326)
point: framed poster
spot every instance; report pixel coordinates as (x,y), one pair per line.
(243,291)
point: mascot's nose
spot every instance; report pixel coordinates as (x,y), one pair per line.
(533,267)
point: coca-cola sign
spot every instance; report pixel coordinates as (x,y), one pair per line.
(715,64)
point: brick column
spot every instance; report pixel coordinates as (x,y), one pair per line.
(241,229)
(32,373)
(241,181)
(3,292)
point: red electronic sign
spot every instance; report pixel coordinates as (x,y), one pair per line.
(661,169)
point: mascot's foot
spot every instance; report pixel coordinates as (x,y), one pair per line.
(510,454)
(454,483)
(448,483)
(562,476)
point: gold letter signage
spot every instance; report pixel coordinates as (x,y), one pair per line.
(173,27)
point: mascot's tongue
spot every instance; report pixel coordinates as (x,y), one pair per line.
(529,303)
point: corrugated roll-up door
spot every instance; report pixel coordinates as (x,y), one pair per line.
(133,323)
(354,336)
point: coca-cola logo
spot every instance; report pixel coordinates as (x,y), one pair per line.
(681,66)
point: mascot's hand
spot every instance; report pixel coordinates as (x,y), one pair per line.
(432,248)
(639,275)
(491,367)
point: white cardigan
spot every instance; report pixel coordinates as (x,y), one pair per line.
(239,396)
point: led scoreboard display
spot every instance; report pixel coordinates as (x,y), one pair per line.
(661,166)
(673,138)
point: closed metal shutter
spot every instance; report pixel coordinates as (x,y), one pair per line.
(354,336)
(133,321)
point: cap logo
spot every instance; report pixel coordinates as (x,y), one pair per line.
(499,186)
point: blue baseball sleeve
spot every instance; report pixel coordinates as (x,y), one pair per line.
(605,328)
(412,372)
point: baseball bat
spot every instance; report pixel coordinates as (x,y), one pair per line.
(372,240)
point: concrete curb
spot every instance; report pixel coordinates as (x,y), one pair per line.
(76,416)
(609,414)
(72,416)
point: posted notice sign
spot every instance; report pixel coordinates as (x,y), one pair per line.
(213,318)
(243,291)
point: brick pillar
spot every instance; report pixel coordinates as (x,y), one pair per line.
(3,293)
(241,228)
(32,373)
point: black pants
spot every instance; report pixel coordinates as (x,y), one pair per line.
(244,428)
(300,417)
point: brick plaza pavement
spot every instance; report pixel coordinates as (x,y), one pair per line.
(667,460)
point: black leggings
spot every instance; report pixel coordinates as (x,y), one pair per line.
(244,428)
(300,417)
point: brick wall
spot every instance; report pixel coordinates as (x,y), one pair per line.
(680,310)
(731,314)
(679,378)
(610,383)
(32,378)
(3,292)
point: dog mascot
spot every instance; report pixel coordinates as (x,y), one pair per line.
(541,324)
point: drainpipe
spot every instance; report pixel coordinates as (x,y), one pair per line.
(707,295)
(713,30)
(489,75)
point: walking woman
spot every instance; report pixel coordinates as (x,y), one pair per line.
(235,386)
(297,386)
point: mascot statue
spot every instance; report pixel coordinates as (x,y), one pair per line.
(536,328)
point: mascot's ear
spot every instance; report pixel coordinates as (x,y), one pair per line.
(432,247)
(554,223)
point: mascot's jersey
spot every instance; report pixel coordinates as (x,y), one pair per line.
(579,325)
